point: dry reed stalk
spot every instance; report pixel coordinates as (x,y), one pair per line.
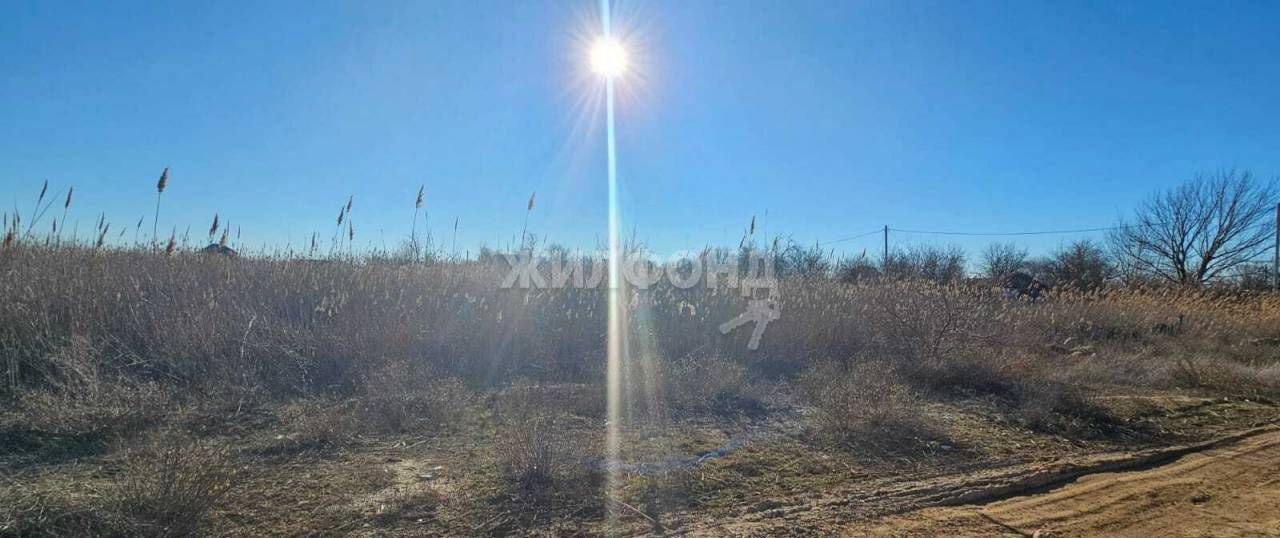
(213,229)
(160,186)
(173,243)
(528,209)
(102,236)
(413,230)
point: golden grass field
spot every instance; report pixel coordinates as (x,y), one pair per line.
(177,394)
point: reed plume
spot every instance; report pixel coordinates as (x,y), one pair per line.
(9,238)
(160,185)
(102,235)
(214,228)
(39,211)
(528,209)
(413,230)
(173,243)
(65,206)
(44,189)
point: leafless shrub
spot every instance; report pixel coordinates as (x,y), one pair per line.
(537,448)
(317,424)
(168,485)
(533,451)
(1000,260)
(867,399)
(399,398)
(925,262)
(1204,373)
(1082,265)
(709,385)
(919,320)
(857,269)
(1062,408)
(965,375)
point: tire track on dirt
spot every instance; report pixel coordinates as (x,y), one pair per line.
(1225,490)
(1226,487)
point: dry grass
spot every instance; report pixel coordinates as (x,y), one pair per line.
(295,327)
(324,358)
(713,385)
(163,486)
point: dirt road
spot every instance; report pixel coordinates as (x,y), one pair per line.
(1227,489)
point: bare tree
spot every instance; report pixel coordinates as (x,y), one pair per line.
(999,260)
(1252,276)
(1083,264)
(802,261)
(858,268)
(939,264)
(1199,231)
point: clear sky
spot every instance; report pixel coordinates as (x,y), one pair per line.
(834,117)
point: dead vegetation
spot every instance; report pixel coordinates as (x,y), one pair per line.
(239,375)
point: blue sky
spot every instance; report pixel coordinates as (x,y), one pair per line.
(835,118)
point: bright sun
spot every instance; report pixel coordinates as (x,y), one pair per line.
(608,58)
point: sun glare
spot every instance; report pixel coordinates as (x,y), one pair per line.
(608,58)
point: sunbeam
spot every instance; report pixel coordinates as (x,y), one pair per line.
(609,70)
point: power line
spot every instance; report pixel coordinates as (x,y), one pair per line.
(1041,232)
(852,237)
(998,234)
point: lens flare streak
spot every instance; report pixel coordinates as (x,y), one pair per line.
(614,348)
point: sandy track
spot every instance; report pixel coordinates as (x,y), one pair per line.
(1228,489)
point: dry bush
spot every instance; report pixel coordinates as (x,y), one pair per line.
(539,451)
(399,398)
(864,401)
(168,486)
(657,495)
(709,385)
(1225,376)
(48,424)
(1062,408)
(316,424)
(533,451)
(921,320)
(394,399)
(966,375)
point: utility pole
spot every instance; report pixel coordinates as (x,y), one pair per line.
(885,263)
(1275,262)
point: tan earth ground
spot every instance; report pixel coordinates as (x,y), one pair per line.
(1179,465)
(1230,488)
